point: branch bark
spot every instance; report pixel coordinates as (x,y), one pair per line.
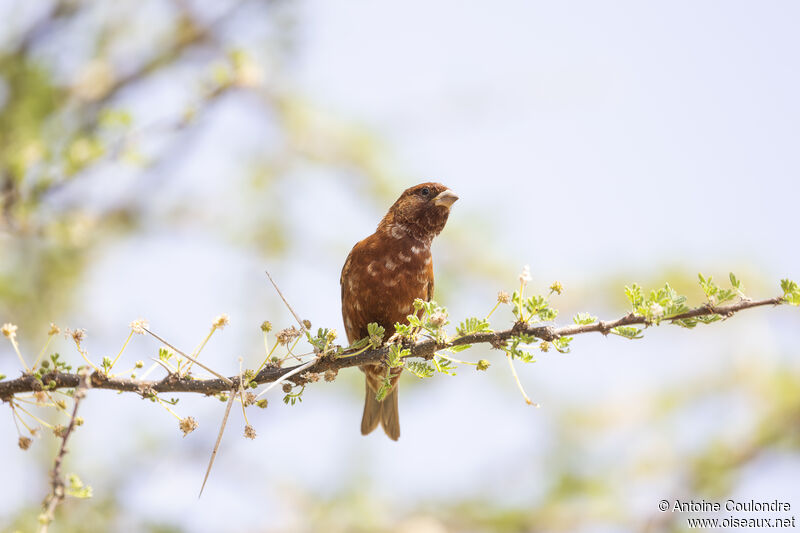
(423,349)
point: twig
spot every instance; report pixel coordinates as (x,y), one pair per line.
(519,383)
(227,381)
(219,438)
(233,394)
(295,370)
(300,322)
(240,390)
(57,491)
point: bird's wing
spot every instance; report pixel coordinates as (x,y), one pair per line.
(430,281)
(351,280)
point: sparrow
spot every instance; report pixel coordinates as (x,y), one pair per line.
(381,278)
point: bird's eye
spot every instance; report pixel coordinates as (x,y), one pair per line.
(425,191)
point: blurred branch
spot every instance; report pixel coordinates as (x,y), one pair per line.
(59,10)
(189,32)
(425,349)
(59,131)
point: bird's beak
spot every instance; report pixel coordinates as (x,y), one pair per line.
(445,198)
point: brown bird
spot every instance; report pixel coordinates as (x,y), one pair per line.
(382,277)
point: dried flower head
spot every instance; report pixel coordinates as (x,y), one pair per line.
(9,330)
(287,387)
(266,326)
(285,336)
(221,321)
(310,377)
(139,325)
(556,287)
(262,403)
(544,346)
(77,335)
(187,425)
(54,330)
(525,275)
(331,374)
(438,319)
(307,324)
(483,364)
(503,297)
(249,432)
(40,396)
(59,430)
(24,442)
(249,399)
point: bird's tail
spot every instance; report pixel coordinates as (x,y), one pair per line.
(385,413)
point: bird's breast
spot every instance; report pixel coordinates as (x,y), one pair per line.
(381,279)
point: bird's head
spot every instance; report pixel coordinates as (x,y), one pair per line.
(421,210)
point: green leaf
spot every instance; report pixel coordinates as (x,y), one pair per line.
(444,366)
(293,397)
(709,287)
(536,307)
(420,369)
(375,334)
(396,354)
(562,344)
(385,387)
(791,292)
(724,295)
(547,314)
(320,340)
(472,325)
(403,330)
(360,343)
(460,348)
(583,319)
(76,488)
(512,347)
(627,332)
(737,285)
(634,294)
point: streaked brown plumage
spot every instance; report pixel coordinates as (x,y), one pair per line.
(382,277)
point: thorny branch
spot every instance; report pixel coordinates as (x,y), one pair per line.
(421,349)
(57,486)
